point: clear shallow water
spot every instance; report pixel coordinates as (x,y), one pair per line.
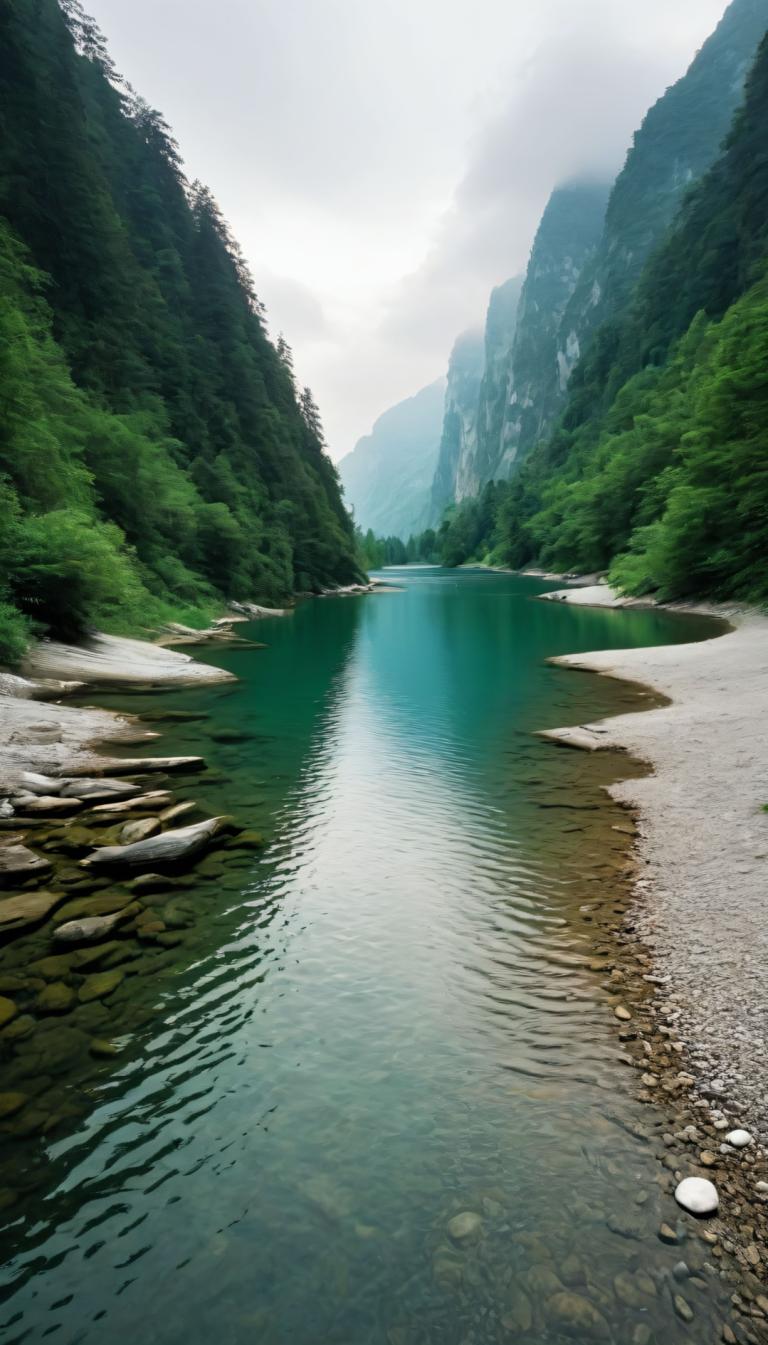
(386,1019)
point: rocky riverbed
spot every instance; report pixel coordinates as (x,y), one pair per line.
(117,916)
(688,974)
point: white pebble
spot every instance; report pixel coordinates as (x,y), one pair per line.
(739,1138)
(697,1195)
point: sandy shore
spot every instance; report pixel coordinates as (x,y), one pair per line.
(703,843)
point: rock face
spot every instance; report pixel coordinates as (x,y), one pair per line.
(456,473)
(496,411)
(500,330)
(388,475)
(678,141)
(535,383)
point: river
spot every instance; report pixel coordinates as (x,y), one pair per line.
(389,1017)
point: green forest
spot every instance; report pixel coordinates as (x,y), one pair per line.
(657,472)
(156,454)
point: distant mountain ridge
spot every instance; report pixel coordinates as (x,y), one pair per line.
(388,476)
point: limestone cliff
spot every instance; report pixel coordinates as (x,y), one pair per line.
(455,474)
(565,242)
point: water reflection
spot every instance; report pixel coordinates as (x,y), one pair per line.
(386,1022)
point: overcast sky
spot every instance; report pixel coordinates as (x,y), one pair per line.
(384,163)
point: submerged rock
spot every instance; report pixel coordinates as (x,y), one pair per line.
(10,1103)
(17,863)
(169,847)
(465,1227)
(57,997)
(576,1316)
(29,908)
(103,1049)
(91,928)
(139,830)
(100,985)
(8,1010)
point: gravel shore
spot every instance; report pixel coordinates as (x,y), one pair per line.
(703,843)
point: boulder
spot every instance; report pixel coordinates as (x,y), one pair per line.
(177,810)
(91,928)
(17,864)
(100,985)
(738,1139)
(101,790)
(697,1195)
(45,805)
(169,847)
(8,1010)
(574,1315)
(29,908)
(29,782)
(142,803)
(139,830)
(57,997)
(134,765)
(10,1103)
(465,1227)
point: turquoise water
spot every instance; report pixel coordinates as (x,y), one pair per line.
(383,1020)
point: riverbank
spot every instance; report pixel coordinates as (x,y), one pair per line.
(700,1031)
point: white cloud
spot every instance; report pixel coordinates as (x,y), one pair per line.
(384,164)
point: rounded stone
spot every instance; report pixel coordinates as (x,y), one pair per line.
(683,1309)
(10,1103)
(7,1010)
(739,1139)
(465,1227)
(55,998)
(576,1316)
(103,1049)
(697,1195)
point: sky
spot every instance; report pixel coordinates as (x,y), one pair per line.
(385,163)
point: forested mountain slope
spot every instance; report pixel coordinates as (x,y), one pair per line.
(154,449)
(387,477)
(659,467)
(679,139)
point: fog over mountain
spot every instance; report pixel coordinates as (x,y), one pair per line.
(389,168)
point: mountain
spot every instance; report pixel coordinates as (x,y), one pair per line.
(679,139)
(657,469)
(455,474)
(500,328)
(388,475)
(535,387)
(514,381)
(155,452)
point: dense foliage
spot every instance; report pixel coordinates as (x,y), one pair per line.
(155,453)
(659,467)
